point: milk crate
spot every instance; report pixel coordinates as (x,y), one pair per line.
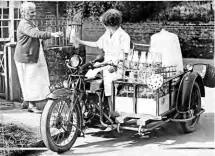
(138,98)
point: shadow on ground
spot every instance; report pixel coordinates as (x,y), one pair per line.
(169,135)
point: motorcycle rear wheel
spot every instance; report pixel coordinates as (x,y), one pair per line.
(66,129)
(195,107)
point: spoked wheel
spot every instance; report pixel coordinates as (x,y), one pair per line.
(195,107)
(60,125)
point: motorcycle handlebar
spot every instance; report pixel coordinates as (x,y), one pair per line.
(83,67)
(86,65)
(96,66)
(104,64)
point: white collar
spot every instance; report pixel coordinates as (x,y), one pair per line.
(115,33)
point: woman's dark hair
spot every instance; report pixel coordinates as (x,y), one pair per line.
(111,17)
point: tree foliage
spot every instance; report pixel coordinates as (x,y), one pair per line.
(137,11)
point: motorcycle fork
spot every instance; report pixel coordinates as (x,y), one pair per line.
(61,108)
(77,96)
(101,100)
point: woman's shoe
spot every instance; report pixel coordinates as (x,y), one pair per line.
(35,110)
(24,105)
(32,108)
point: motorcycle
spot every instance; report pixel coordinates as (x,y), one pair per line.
(140,107)
(81,102)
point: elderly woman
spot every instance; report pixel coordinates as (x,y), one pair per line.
(114,42)
(29,58)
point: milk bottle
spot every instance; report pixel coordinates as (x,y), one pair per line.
(158,59)
(150,58)
(120,69)
(135,60)
(142,61)
(142,67)
(72,38)
(127,61)
(150,64)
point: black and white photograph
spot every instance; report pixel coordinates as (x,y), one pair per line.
(107,78)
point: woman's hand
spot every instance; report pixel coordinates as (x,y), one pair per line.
(112,69)
(57,34)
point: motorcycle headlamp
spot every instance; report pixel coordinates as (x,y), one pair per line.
(75,61)
(189,67)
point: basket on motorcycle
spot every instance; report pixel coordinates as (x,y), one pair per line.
(209,78)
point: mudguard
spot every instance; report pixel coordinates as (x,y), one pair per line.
(185,89)
(59,93)
(64,92)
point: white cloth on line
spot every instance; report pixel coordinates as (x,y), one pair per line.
(34,78)
(168,45)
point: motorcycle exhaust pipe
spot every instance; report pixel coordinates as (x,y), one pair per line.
(189,119)
(101,112)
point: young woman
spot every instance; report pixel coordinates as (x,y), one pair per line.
(114,42)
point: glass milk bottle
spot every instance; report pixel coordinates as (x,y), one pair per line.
(158,59)
(127,61)
(142,67)
(150,58)
(135,60)
(72,36)
(142,61)
(131,77)
(120,70)
(150,63)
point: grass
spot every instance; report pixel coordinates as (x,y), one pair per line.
(13,136)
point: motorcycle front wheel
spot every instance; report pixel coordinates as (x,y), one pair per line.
(60,126)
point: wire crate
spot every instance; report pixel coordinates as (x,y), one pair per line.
(141,76)
(136,97)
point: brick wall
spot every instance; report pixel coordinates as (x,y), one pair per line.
(46,10)
(46,21)
(56,65)
(197,40)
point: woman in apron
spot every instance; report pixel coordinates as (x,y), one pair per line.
(114,42)
(29,58)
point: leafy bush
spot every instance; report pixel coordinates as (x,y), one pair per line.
(197,48)
(137,11)
(189,11)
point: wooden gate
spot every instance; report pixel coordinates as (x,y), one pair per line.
(9,82)
(3,75)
